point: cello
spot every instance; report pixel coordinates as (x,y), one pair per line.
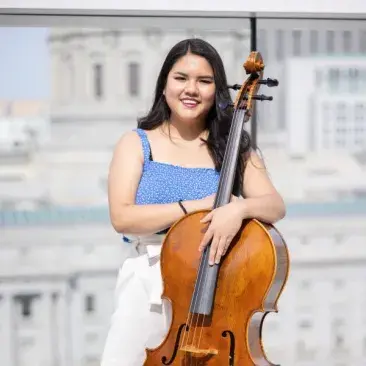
(218,311)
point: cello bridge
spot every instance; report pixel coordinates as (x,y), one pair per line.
(199,352)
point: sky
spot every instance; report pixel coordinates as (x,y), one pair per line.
(24,63)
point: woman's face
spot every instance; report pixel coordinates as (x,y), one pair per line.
(190,89)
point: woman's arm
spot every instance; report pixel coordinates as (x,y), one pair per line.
(262,201)
(124,176)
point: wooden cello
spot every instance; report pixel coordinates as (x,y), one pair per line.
(218,311)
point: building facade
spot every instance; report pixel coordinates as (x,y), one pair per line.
(59,256)
(57,287)
(326,104)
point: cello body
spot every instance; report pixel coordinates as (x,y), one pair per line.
(251,278)
(218,311)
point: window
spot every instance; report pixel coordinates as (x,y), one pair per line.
(98,81)
(25,305)
(134,80)
(318,78)
(360,112)
(304,352)
(89,304)
(330,41)
(262,41)
(334,79)
(296,39)
(362,41)
(352,76)
(314,41)
(341,110)
(69,77)
(305,324)
(338,334)
(280,44)
(347,41)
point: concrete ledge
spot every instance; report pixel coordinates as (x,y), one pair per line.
(100,215)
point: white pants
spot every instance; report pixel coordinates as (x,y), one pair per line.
(140,318)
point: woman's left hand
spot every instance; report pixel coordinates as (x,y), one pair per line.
(224,224)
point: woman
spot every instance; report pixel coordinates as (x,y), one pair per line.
(169,166)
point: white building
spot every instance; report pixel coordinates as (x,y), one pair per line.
(100,75)
(59,259)
(317,177)
(58,270)
(326,104)
(103,79)
(321,319)
(280,40)
(57,274)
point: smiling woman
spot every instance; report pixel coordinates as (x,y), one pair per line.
(166,168)
(190,92)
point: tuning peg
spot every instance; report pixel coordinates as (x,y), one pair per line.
(269,82)
(235,86)
(262,97)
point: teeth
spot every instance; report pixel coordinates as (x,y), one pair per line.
(189,102)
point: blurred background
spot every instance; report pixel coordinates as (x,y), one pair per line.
(67,94)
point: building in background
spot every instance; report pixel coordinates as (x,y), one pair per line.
(318,42)
(59,256)
(58,272)
(326,104)
(24,129)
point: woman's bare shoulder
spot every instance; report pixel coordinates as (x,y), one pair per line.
(129,142)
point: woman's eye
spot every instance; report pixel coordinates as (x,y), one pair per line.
(179,78)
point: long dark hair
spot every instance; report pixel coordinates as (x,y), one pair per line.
(218,119)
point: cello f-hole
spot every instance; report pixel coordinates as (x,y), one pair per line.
(176,346)
(229,333)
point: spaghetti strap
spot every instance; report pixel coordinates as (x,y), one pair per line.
(145,144)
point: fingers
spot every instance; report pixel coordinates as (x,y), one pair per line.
(227,244)
(206,239)
(218,249)
(207,218)
(213,250)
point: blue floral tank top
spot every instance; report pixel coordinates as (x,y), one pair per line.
(167,183)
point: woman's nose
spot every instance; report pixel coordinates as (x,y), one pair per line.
(191,87)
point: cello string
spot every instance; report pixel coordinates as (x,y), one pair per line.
(186,336)
(206,253)
(189,321)
(224,173)
(241,115)
(191,315)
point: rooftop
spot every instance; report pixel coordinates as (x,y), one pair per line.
(100,215)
